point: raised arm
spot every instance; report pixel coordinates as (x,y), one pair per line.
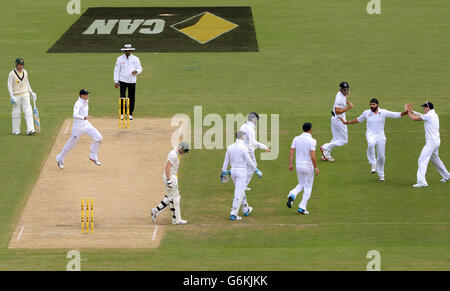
(342,110)
(413,115)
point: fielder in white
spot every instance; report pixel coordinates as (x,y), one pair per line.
(338,129)
(433,140)
(376,118)
(238,157)
(252,144)
(170,179)
(81,126)
(19,91)
(304,147)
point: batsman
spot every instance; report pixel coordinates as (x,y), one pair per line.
(20,91)
(170,179)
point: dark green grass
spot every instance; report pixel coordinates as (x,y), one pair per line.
(306,49)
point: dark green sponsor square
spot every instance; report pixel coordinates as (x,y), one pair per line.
(161,29)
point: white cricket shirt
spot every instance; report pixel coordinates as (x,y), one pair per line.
(80,111)
(303,144)
(431,125)
(125,67)
(18,83)
(340,102)
(174,160)
(376,121)
(238,157)
(250,137)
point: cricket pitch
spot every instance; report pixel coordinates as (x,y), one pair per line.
(124,189)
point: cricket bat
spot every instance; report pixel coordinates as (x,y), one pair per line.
(37,123)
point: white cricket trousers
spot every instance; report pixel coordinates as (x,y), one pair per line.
(250,172)
(22,102)
(340,134)
(428,153)
(380,158)
(305,176)
(77,131)
(239,177)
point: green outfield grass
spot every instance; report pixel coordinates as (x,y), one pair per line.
(306,48)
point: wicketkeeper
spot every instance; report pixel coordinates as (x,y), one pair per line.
(241,163)
(170,179)
(19,91)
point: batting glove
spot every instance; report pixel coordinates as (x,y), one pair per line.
(258,173)
(13,101)
(33,96)
(169,183)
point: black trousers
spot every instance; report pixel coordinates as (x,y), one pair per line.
(131,94)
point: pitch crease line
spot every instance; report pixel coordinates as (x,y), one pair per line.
(20,233)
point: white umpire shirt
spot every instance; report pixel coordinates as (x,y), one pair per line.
(340,102)
(431,125)
(250,137)
(125,67)
(238,157)
(376,121)
(303,145)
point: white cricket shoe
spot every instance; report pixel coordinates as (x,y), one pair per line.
(444,180)
(16,133)
(154,213)
(250,209)
(181,222)
(130,117)
(248,189)
(420,185)
(60,164)
(95,162)
(382,179)
(374,168)
(31,132)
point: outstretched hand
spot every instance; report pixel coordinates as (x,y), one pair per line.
(343,121)
(408,107)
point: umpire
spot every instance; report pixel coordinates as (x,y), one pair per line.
(128,66)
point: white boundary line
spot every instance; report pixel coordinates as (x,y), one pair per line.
(20,233)
(154,233)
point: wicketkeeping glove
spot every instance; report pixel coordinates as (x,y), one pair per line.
(258,173)
(224,176)
(13,101)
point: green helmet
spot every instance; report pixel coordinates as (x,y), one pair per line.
(19,61)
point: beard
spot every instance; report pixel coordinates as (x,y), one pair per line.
(374,109)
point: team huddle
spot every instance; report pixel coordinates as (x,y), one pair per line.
(241,154)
